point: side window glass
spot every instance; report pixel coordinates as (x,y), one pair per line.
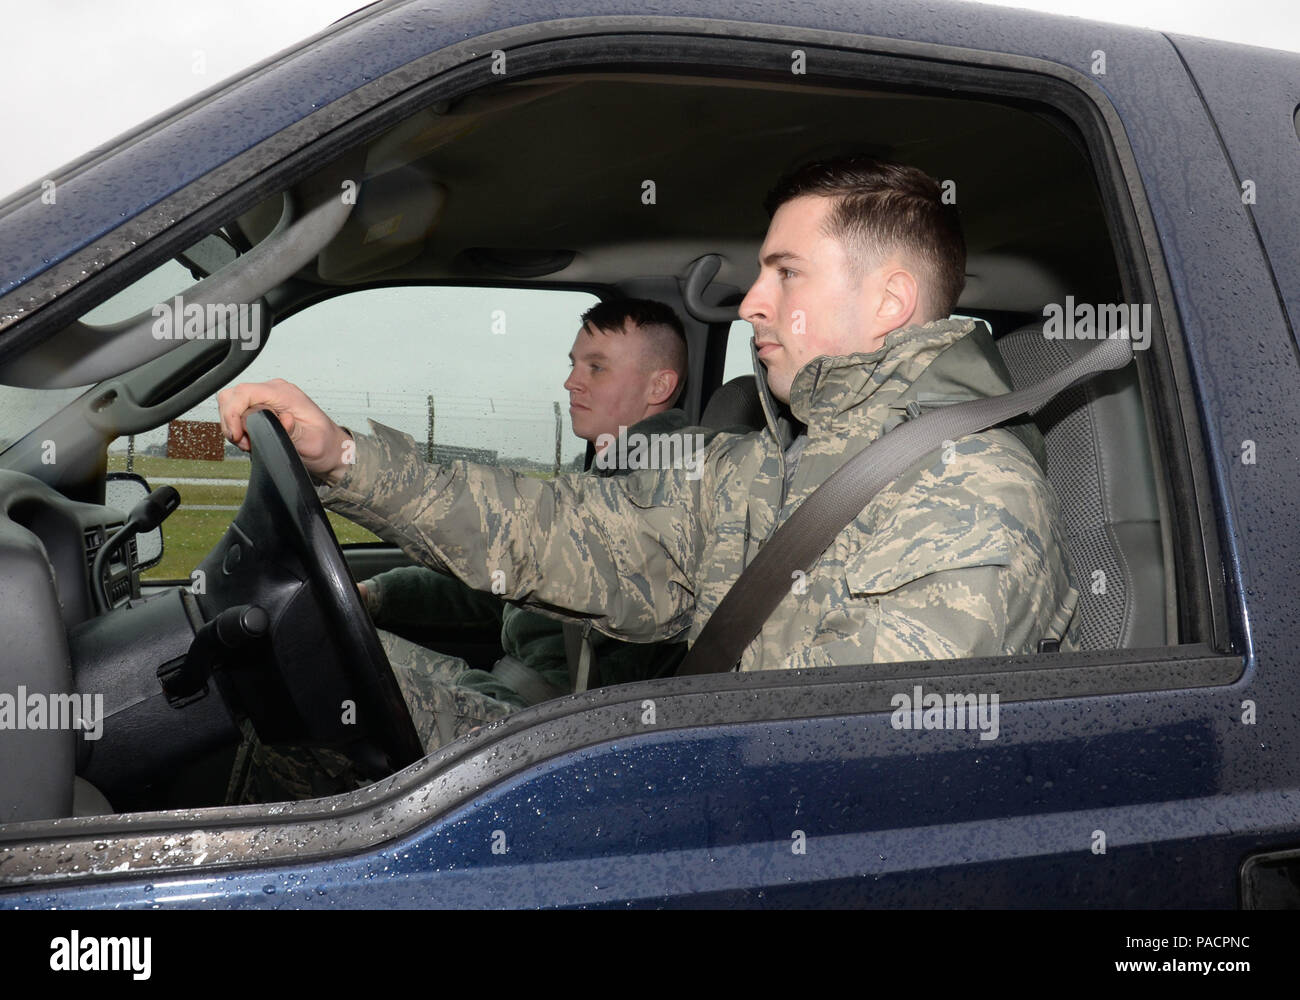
(739,360)
(479,372)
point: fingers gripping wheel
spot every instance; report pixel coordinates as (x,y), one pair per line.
(324,676)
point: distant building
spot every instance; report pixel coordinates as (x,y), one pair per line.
(195,439)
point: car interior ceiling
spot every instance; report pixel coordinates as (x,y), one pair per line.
(512,178)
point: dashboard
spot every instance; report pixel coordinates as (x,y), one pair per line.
(70,534)
(55,645)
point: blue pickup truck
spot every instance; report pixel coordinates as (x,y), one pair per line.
(370,208)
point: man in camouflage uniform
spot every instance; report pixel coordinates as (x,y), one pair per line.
(963,555)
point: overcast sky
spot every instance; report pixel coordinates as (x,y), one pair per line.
(77,73)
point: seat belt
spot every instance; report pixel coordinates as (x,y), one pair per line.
(526,682)
(580,655)
(827,511)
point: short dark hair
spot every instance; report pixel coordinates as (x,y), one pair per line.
(881,207)
(659,324)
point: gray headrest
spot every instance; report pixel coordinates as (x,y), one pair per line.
(735,404)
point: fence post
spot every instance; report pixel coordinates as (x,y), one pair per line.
(559,430)
(130,453)
(428,457)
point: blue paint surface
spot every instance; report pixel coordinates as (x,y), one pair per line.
(1175,779)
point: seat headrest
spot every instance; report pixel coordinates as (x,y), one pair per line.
(735,404)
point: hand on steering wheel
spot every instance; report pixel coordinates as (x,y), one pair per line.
(325,677)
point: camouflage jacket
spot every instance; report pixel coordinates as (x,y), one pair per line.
(417,596)
(962,555)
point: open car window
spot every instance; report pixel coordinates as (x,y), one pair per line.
(483,368)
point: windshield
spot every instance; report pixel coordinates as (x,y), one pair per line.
(23,409)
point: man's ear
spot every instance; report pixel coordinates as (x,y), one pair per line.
(900,302)
(663,383)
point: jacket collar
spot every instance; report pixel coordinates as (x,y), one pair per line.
(855,391)
(916,368)
(665,422)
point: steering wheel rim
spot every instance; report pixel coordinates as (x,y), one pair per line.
(276,464)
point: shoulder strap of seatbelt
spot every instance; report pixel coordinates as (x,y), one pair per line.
(827,511)
(581,656)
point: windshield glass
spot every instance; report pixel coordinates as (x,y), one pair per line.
(23,409)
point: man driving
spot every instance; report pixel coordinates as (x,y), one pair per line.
(628,368)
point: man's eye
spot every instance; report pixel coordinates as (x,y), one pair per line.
(595,368)
(784,271)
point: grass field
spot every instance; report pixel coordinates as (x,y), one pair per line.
(219,494)
(189,535)
(151,466)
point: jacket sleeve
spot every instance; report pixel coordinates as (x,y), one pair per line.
(619,551)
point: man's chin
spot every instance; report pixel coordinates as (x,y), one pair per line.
(778,386)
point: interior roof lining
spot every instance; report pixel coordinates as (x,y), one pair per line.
(437,258)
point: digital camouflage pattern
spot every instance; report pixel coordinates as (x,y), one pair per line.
(443,708)
(446,697)
(964,555)
(417,596)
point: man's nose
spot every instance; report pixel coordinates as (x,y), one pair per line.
(571,383)
(755,307)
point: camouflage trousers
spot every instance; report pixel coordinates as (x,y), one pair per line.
(442,707)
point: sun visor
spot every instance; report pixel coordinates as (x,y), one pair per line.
(213,308)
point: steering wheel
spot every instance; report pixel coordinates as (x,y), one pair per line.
(323,676)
